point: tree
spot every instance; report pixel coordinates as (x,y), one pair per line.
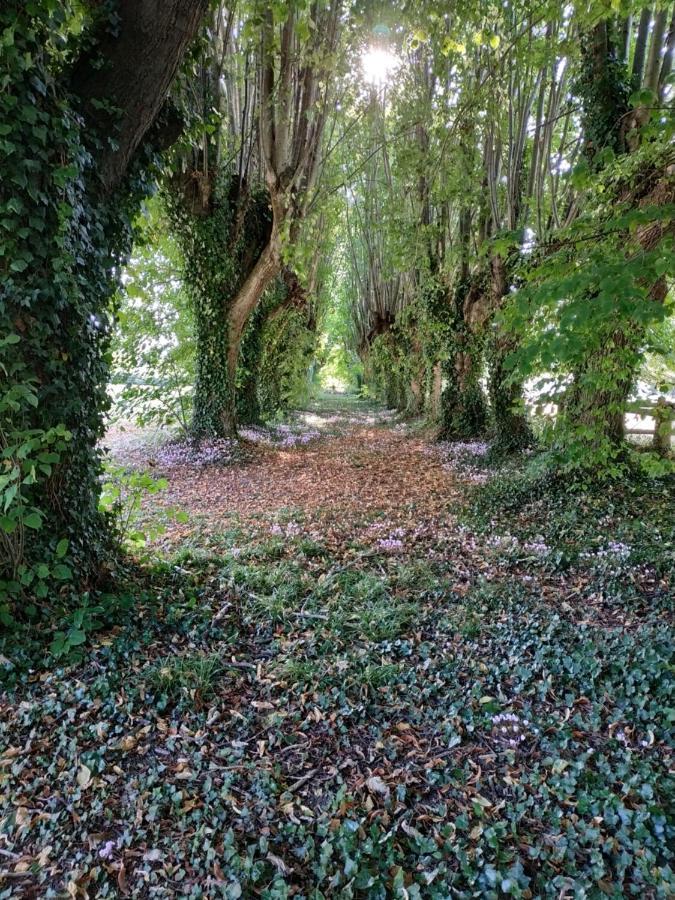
(239,202)
(83,114)
(595,403)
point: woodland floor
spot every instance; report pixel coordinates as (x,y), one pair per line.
(367,665)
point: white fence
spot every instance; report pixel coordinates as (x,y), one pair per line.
(655,419)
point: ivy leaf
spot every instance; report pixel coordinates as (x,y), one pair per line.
(33,520)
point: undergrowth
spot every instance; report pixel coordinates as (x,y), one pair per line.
(274,718)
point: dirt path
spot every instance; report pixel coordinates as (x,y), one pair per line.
(358,479)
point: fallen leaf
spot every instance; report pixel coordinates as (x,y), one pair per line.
(84,777)
(376,786)
(122,880)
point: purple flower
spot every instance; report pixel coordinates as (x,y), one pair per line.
(391,545)
(107,850)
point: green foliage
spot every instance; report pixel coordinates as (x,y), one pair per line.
(153,341)
(122,495)
(588,308)
(75,628)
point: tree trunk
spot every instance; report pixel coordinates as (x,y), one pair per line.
(123,98)
(212,400)
(415,398)
(56,292)
(664,414)
(464,413)
(653,70)
(436,391)
(594,406)
(641,47)
(512,430)
(224,232)
(265,271)
(463,407)
(220,327)
(667,64)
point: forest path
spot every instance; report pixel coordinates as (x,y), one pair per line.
(359,477)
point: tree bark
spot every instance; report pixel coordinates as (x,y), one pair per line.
(653,70)
(463,407)
(667,64)
(641,47)
(436,390)
(265,271)
(123,97)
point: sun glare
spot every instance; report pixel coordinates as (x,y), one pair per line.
(378,65)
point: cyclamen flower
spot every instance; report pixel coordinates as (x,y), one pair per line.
(201,454)
(282,437)
(107,850)
(390,544)
(292,529)
(538,547)
(613,549)
(510,730)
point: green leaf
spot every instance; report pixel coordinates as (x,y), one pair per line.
(76,637)
(33,520)
(61,572)
(62,548)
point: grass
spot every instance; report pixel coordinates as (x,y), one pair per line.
(194,678)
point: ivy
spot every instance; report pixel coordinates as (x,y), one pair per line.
(61,242)
(220,241)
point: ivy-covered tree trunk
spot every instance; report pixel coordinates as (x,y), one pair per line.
(213,405)
(76,144)
(261,277)
(260,391)
(435,390)
(463,409)
(248,399)
(416,395)
(594,406)
(463,406)
(223,230)
(415,367)
(595,403)
(512,431)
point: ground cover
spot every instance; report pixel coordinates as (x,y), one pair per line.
(366,665)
